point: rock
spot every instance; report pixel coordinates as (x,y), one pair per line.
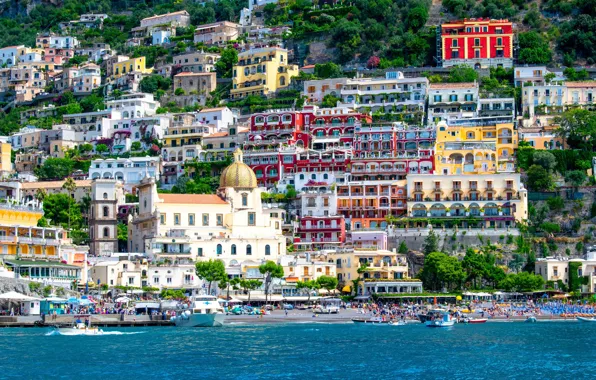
(415,261)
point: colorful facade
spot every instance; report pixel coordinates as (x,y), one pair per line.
(475,150)
(477,42)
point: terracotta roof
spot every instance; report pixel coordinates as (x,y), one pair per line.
(440,86)
(581,84)
(200,199)
(308,67)
(217,134)
(186,74)
(53,184)
(167,14)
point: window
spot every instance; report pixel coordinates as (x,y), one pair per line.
(191,219)
(176,219)
(106,212)
(162,218)
(200,252)
(233,249)
(251,218)
(476,41)
(249,250)
(499,41)
(244,200)
(219,249)
(454,43)
(205,219)
(106,232)
(267,250)
(105,195)
(219,220)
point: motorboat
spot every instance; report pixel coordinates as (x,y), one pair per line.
(440,318)
(397,323)
(475,320)
(584,319)
(203,311)
(424,317)
(371,321)
(531,319)
(79,328)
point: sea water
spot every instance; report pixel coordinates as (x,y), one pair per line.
(553,350)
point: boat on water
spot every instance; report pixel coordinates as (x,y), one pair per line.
(371,321)
(475,320)
(531,319)
(584,319)
(79,328)
(440,318)
(204,311)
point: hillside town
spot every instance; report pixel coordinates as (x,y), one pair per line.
(131,167)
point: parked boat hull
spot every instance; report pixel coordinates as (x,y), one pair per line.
(73,331)
(479,320)
(439,323)
(584,319)
(200,320)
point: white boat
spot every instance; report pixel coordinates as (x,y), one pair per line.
(440,319)
(584,319)
(204,311)
(79,329)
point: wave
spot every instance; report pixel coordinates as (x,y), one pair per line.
(74,333)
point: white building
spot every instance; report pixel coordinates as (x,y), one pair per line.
(221,117)
(128,170)
(230,226)
(63,42)
(161,36)
(558,269)
(545,102)
(9,55)
(134,105)
(174,19)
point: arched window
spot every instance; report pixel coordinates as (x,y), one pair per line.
(301,176)
(244,200)
(313,176)
(282,81)
(233,249)
(249,250)
(325,176)
(125,114)
(267,250)
(137,135)
(106,232)
(106,211)
(219,249)
(105,195)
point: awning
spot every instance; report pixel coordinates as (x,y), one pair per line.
(261,297)
(14,296)
(362,298)
(300,298)
(328,140)
(346,289)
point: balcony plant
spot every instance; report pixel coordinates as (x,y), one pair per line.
(481,211)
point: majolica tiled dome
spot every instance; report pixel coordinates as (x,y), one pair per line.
(238,174)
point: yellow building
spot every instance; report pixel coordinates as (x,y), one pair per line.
(261,72)
(130,65)
(36,253)
(483,200)
(5,163)
(476,149)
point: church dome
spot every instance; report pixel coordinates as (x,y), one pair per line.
(238,174)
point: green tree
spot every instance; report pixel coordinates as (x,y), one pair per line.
(534,48)
(70,186)
(328,283)
(55,168)
(555,204)
(441,271)
(545,159)
(474,266)
(210,271)
(330,101)
(576,178)
(308,286)
(431,243)
(229,58)
(101,148)
(122,234)
(136,145)
(578,128)
(92,103)
(270,270)
(328,70)
(462,73)
(403,248)
(539,179)
(59,209)
(179,91)
(152,83)
(250,285)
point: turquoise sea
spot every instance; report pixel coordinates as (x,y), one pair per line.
(554,350)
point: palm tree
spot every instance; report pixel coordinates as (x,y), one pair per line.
(70,186)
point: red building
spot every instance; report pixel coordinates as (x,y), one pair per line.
(318,231)
(480,42)
(390,151)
